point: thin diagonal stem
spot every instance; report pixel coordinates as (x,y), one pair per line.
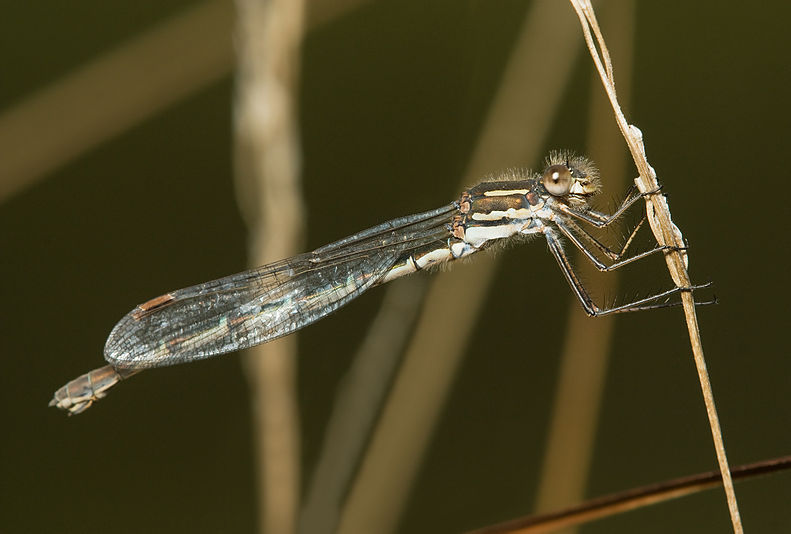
(633,499)
(666,233)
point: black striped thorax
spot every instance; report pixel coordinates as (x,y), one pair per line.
(499,209)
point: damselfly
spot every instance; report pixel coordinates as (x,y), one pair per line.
(274,300)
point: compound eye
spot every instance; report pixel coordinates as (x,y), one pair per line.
(557,180)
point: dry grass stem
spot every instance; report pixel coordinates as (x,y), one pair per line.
(267,160)
(519,118)
(666,233)
(618,503)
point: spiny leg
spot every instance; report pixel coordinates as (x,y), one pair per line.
(569,231)
(602,220)
(592,216)
(570,226)
(590,307)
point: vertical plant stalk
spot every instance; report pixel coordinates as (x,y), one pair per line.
(267,158)
(666,233)
(357,403)
(585,355)
(517,122)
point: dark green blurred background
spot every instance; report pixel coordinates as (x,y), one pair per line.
(393,96)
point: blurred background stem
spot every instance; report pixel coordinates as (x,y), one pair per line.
(519,117)
(584,358)
(267,163)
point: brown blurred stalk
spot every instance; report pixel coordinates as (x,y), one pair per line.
(267,160)
(518,121)
(586,348)
(357,404)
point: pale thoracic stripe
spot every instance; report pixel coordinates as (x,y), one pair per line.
(477,235)
(505,192)
(496,215)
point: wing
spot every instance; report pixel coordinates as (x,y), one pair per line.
(262,304)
